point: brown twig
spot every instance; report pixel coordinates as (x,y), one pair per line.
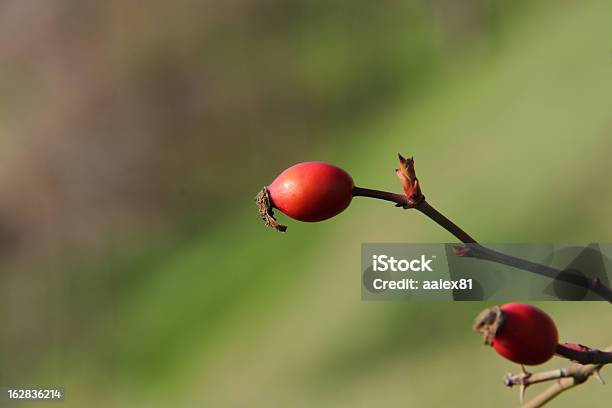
(584,355)
(399,199)
(526,379)
(564,378)
(445,223)
(478,251)
(423,206)
(414,198)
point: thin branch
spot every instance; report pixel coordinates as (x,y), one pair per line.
(414,198)
(399,199)
(487,254)
(584,355)
(423,206)
(474,250)
(565,379)
(444,222)
(526,379)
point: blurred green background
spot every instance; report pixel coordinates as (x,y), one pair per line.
(134,270)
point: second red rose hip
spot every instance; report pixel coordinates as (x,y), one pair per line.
(520,332)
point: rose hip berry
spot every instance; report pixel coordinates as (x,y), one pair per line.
(520,332)
(310,191)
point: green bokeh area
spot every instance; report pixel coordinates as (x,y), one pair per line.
(512,138)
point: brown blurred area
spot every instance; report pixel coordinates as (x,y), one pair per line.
(107,109)
(120,115)
(114,113)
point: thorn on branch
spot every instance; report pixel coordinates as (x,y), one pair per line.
(598,377)
(564,378)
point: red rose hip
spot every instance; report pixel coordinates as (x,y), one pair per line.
(310,191)
(520,332)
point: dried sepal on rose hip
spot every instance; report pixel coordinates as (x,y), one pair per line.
(266,211)
(310,192)
(520,332)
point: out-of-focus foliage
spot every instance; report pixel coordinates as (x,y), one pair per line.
(133,138)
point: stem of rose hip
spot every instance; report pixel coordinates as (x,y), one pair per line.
(400,199)
(423,206)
